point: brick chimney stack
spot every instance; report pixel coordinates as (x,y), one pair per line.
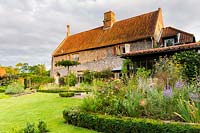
(109,19)
(68,30)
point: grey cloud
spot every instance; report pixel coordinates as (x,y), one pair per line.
(32,29)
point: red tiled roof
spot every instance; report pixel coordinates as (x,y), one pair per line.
(185,37)
(127,30)
(163,49)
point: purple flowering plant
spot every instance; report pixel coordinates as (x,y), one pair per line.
(167,92)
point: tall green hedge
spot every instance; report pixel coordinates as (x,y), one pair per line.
(109,124)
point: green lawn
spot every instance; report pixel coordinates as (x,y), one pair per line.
(2,95)
(15,112)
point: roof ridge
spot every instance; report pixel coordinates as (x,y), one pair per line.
(116,22)
(179,30)
(137,16)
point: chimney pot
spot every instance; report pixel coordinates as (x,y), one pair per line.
(68,30)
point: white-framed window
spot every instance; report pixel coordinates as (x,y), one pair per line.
(127,48)
(169,42)
(75,57)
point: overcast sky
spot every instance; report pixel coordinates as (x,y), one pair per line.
(31,29)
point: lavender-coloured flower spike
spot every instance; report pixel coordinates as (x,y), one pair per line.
(167,92)
(194,96)
(179,84)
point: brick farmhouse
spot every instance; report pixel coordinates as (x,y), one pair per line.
(102,48)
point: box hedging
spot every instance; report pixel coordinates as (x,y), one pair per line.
(66,94)
(58,91)
(109,124)
(51,91)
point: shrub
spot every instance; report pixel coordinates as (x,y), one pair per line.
(191,63)
(14,88)
(167,71)
(85,86)
(104,74)
(36,81)
(110,124)
(88,77)
(70,79)
(67,94)
(6,80)
(42,127)
(30,128)
(2,89)
(61,81)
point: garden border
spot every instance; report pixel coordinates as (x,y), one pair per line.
(111,124)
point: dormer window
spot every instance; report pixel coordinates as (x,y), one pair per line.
(169,42)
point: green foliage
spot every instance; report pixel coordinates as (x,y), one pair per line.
(110,124)
(89,76)
(11,70)
(191,63)
(104,74)
(14,88)
(67,63)
(5,81)
(167,71)
(2,89)
(141,96)
(189,111)
(42,126)
(40,80)
(61,81)
(142,73)
(70,79)
(125,64)
(30,128)
(66,94)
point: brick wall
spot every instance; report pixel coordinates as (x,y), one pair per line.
(98,59)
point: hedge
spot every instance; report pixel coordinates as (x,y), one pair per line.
(66,94)
(51,91)
(110,124)
(59,91)
(2,90)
